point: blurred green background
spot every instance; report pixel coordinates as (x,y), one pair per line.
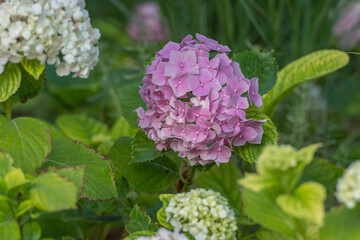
(326,110)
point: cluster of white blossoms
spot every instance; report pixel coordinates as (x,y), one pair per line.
(277,157)
(164,234)
(204,214)
(348,186)
(53,31)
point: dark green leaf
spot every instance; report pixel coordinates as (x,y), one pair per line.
(99,176)
(139,221)
(143,149)
(31,231)
(158,174)
(260,65)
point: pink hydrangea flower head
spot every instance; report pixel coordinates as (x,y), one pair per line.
(146,25)
(195,104)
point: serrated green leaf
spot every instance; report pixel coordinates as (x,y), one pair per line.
(155,175)
(136,235)
(33,67)
(82,128)
(122,128)
(311,66)
(306,202)
(341,224)
(74,174)
(27,140)
(223,179)
(130,100)
(143,149)
(6,162)
(51,192)
(23,207)
(139,221)
(29,87)
(161,215)
(260,65)
(14,178)
(99,176)
(9,229)
(262,208)
(250,152)
(31,231)
(321,171)
(10,80)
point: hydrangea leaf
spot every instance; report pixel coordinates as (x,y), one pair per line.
(143,149)
(27,140)
(161,215)
(341,223)
(6,162)
(82,128)
(9,229)
(223,179)
(309,67)
(29,87)
(264,234)
(139,221)
(33,67)
(250,152)
(51,192)
(31,231)
(99,176)
(10,80)
(260,65)
(136,235)
(122,128)
(130,100)
(321,171)
(256,182)
(158,174)
(15,178)
(306,202)
(74,174)
(262,208)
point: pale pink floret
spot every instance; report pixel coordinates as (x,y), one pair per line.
(196,104)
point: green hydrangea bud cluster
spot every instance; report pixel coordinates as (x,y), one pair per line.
(277,157)
(204,214)
(348,186)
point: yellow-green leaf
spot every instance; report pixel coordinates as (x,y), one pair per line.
(10,80)
(161,215)
(33,67)
(311,66)
(306,202)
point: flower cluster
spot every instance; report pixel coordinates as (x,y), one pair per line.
(348,186)
(347,27)
(54,32)
(164,234)
(277,157)
(204,214)
(146,25)
(195,104)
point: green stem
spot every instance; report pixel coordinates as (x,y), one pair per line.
(186,177)
(8,107)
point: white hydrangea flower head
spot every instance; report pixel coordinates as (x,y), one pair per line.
(277,158)
(165,234)
(348,186)
(204,214)
(53,31)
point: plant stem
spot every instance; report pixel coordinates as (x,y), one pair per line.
(187,175)
(8,108)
